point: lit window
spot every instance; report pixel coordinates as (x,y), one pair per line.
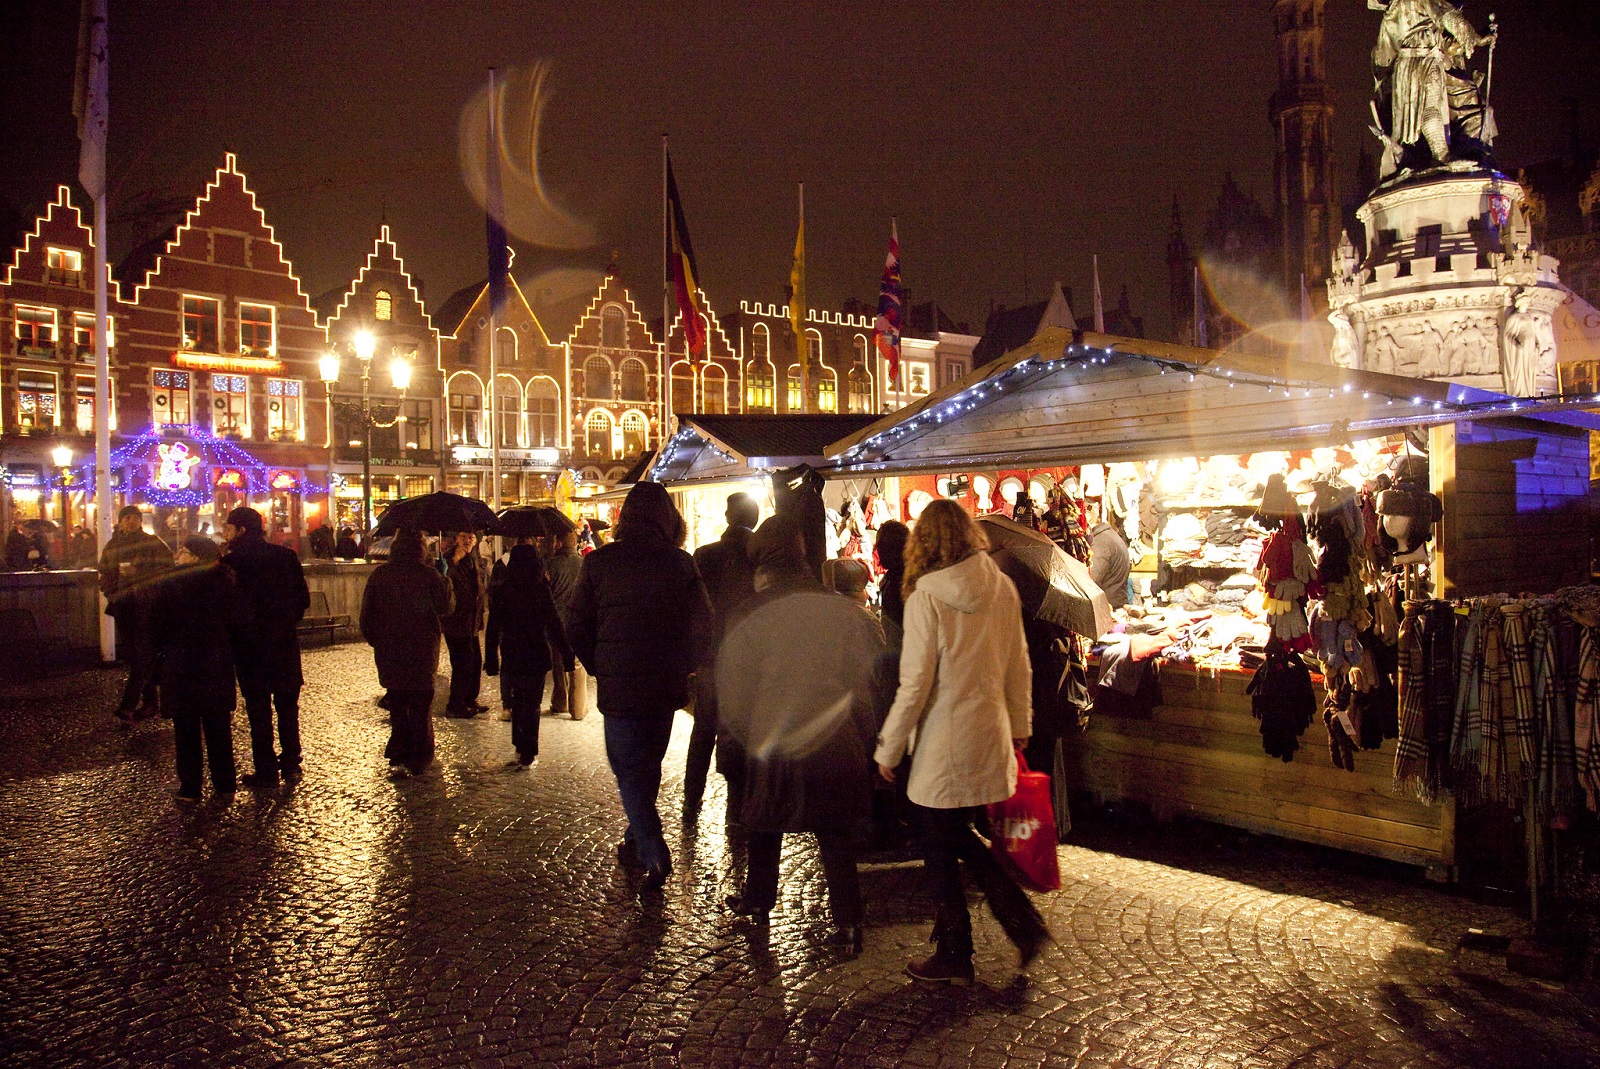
(860,383)
(36,400)
(715,399)
(597,377)
(230,405)
(419,429)
(917,378)
(417,485)
(827,391)
(200,323)
(860,347)
(635,428)
(758,386)
(64,266)
(465,412)
(797,394)
(283,407)
(634,377)
(169,397)
(255,329)
(36,328)
(383,306)
(83,333)
(544,413)
(598,433)
(85,412)
(682,388)
(613,328)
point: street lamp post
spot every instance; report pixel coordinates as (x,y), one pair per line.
(400,374)
(62,455)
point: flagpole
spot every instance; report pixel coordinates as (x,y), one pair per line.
(802,350)
(1099,301)
(664,366)
(894,234)
(494,308)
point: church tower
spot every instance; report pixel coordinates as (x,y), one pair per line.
(1308,214)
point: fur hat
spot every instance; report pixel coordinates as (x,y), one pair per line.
(1276,501)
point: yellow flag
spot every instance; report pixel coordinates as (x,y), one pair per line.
(797,287)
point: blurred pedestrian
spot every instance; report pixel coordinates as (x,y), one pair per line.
(346,548)
(890,551)
(523,630)
(847,576)
(641,622)
(497,577)
(729,576)
(199,621)
(569,693)
(322,542)
(793,685)
(469,580)
(80,548)
(22,549)
(400,619)
(965,690)
(1108,558)
(273,582)
(130,562)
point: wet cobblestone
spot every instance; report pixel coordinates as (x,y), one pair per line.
(477,917)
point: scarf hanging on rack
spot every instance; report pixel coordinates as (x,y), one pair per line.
(1586,710)
(1555,782)
(1427,699)
(1523,724)
(1466,739)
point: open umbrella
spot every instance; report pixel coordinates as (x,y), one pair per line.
(441,511)
(40,526)
(533,521)
(1053,586)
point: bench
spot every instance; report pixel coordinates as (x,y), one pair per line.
(320,617)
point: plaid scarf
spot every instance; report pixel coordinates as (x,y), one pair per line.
(1427,699)
(1523,724)
(1555,782)
(1586,711)
(1466,750)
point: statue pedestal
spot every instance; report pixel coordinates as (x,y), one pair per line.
(1438,288)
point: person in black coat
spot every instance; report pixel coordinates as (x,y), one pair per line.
(274,583)
(346,548)
(199,620)
(400,619)
(641,622)
(468,574)
(131,562)
(523,627)
(730,578)
(563,566)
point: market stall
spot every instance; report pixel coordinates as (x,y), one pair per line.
(1200,432)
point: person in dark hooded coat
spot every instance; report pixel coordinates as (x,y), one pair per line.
(400,619)
(641,622)
(523,627)
(199,619)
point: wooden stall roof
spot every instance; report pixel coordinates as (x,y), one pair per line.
(708,448)
(1091,398)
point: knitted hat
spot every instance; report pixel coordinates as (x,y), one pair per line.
(1276,501)
(202,548)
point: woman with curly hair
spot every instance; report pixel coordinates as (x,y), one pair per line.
(966,690)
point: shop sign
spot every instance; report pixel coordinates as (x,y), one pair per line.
(175,466)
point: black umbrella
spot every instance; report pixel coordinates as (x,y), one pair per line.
(1052,585)
(533,521)
(40,526)
(441,511)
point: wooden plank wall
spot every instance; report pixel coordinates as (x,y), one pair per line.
(1199,754)
(1516,508)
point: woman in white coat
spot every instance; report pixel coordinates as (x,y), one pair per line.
(966,693)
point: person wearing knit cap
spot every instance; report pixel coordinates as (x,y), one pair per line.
(641,623)
(274,585)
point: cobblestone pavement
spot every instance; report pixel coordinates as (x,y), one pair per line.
(477,917)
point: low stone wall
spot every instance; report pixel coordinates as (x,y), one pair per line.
(344,582)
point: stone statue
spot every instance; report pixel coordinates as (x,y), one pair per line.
(1525,337)
(1436,110)
(1343,349)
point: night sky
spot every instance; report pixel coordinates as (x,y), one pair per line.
(1012,140)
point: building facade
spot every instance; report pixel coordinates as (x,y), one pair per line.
(1307,224)
(617,408)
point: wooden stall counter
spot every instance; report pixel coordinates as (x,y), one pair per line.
(1198,753)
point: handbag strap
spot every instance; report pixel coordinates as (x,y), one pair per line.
(1022,762)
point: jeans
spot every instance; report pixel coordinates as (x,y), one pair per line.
(635,748)
(216,729)
(410,728)
(258,706)
(948,838)
(522,694)
(466,671)
(838,870)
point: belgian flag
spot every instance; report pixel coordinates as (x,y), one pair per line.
(681,267)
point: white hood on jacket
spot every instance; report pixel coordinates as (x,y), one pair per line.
(967,587)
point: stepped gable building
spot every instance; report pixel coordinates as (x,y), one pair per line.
(845,376)
(1307,222)
(215,365)
(712,383)
(408,456)
(617,410)
(47,368)
(529,388)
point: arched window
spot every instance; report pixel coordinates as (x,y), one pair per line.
(466,410)
(506,347)
(508,411)
(382,306)
(635,429)
(597,377)
(827,390)
(682,388)
(814,348)
(859,347)
(760,344)
(634,378)
(597,436)
(715,392)
(860,389)
(544,413)
(758,386)
(797,393)
(613,327)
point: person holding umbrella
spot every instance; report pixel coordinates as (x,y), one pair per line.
(400,619)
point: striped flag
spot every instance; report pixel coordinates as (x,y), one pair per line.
(886,330)
(682,270)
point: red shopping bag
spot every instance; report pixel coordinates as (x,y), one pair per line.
(1024,830)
